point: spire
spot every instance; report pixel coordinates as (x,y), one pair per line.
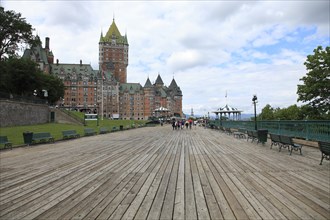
(101,37)
(113,30)
(148,84)
(159,80)
(173,84)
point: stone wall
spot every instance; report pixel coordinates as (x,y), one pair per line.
(14,113)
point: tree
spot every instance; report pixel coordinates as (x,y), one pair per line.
(14,31)
(267,113)
(22,77)
(316,88)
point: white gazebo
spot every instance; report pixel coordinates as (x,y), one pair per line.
(228,111)
(162,112)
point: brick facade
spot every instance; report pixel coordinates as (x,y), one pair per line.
(106,91)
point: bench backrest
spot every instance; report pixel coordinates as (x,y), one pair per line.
(275,137)
(103,129)
(286,139)
(324,147)
(68,132)
(242,130)
(3,139)
(42,135)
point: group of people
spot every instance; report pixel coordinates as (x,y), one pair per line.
(180,124)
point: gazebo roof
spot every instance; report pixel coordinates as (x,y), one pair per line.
(162,109)
(227,109)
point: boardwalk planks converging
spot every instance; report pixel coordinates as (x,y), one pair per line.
(158,173)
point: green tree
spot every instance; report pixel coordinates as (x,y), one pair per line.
(292,112)
(53,85)
(14,31)
(18,76)
(267,113)
(22,77)
(316,88)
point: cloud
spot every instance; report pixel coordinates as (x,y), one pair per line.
(210,47)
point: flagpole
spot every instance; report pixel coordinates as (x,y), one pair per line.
(226,98)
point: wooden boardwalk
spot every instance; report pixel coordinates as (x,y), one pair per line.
(158,173)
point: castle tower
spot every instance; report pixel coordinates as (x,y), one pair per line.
(113,53)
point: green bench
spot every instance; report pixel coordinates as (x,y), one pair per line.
(252,134)
(240,133)
(89,132)
(287,141)
(228,131)
(70,134)
(325,150)
(104,130)
(4,141)
(42,137)
(114,129)
(276,140)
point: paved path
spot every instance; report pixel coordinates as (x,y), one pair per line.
(158,173)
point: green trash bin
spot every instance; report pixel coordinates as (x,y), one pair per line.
(121,127)
(27,136)
(262,135)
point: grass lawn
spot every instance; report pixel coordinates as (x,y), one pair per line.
(15,134)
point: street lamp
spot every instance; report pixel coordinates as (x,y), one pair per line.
(255,100)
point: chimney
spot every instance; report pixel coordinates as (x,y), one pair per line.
(80,62)
(47,43)
(57,62)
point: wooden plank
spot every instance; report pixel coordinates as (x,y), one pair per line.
(146,205)
(139,196)
(202,210)
(179,204)
(212,205)
(190,201)
(168,204)
(163,174)
(299,208)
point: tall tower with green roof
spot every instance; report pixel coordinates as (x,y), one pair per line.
(113,53)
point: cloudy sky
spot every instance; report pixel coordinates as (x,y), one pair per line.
(211,48)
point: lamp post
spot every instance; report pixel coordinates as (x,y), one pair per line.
(254,100)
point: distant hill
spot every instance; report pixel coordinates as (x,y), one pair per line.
(244,117)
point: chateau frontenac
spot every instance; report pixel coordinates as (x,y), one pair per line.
(106,91)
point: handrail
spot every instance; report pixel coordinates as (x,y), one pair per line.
(317,130)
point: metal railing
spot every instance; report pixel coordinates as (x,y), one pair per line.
(317,130)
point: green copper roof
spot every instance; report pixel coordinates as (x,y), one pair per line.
(148,84)
(131,88)
(159,80)
(173,84)
(113,32)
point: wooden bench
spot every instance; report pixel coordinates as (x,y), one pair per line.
(275,138)
(240,133)
(70,134)
(228,131)
(104,130)
(325,150)
(4,141)
(287,141)
(89,132)
(253,135)
(42,137)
